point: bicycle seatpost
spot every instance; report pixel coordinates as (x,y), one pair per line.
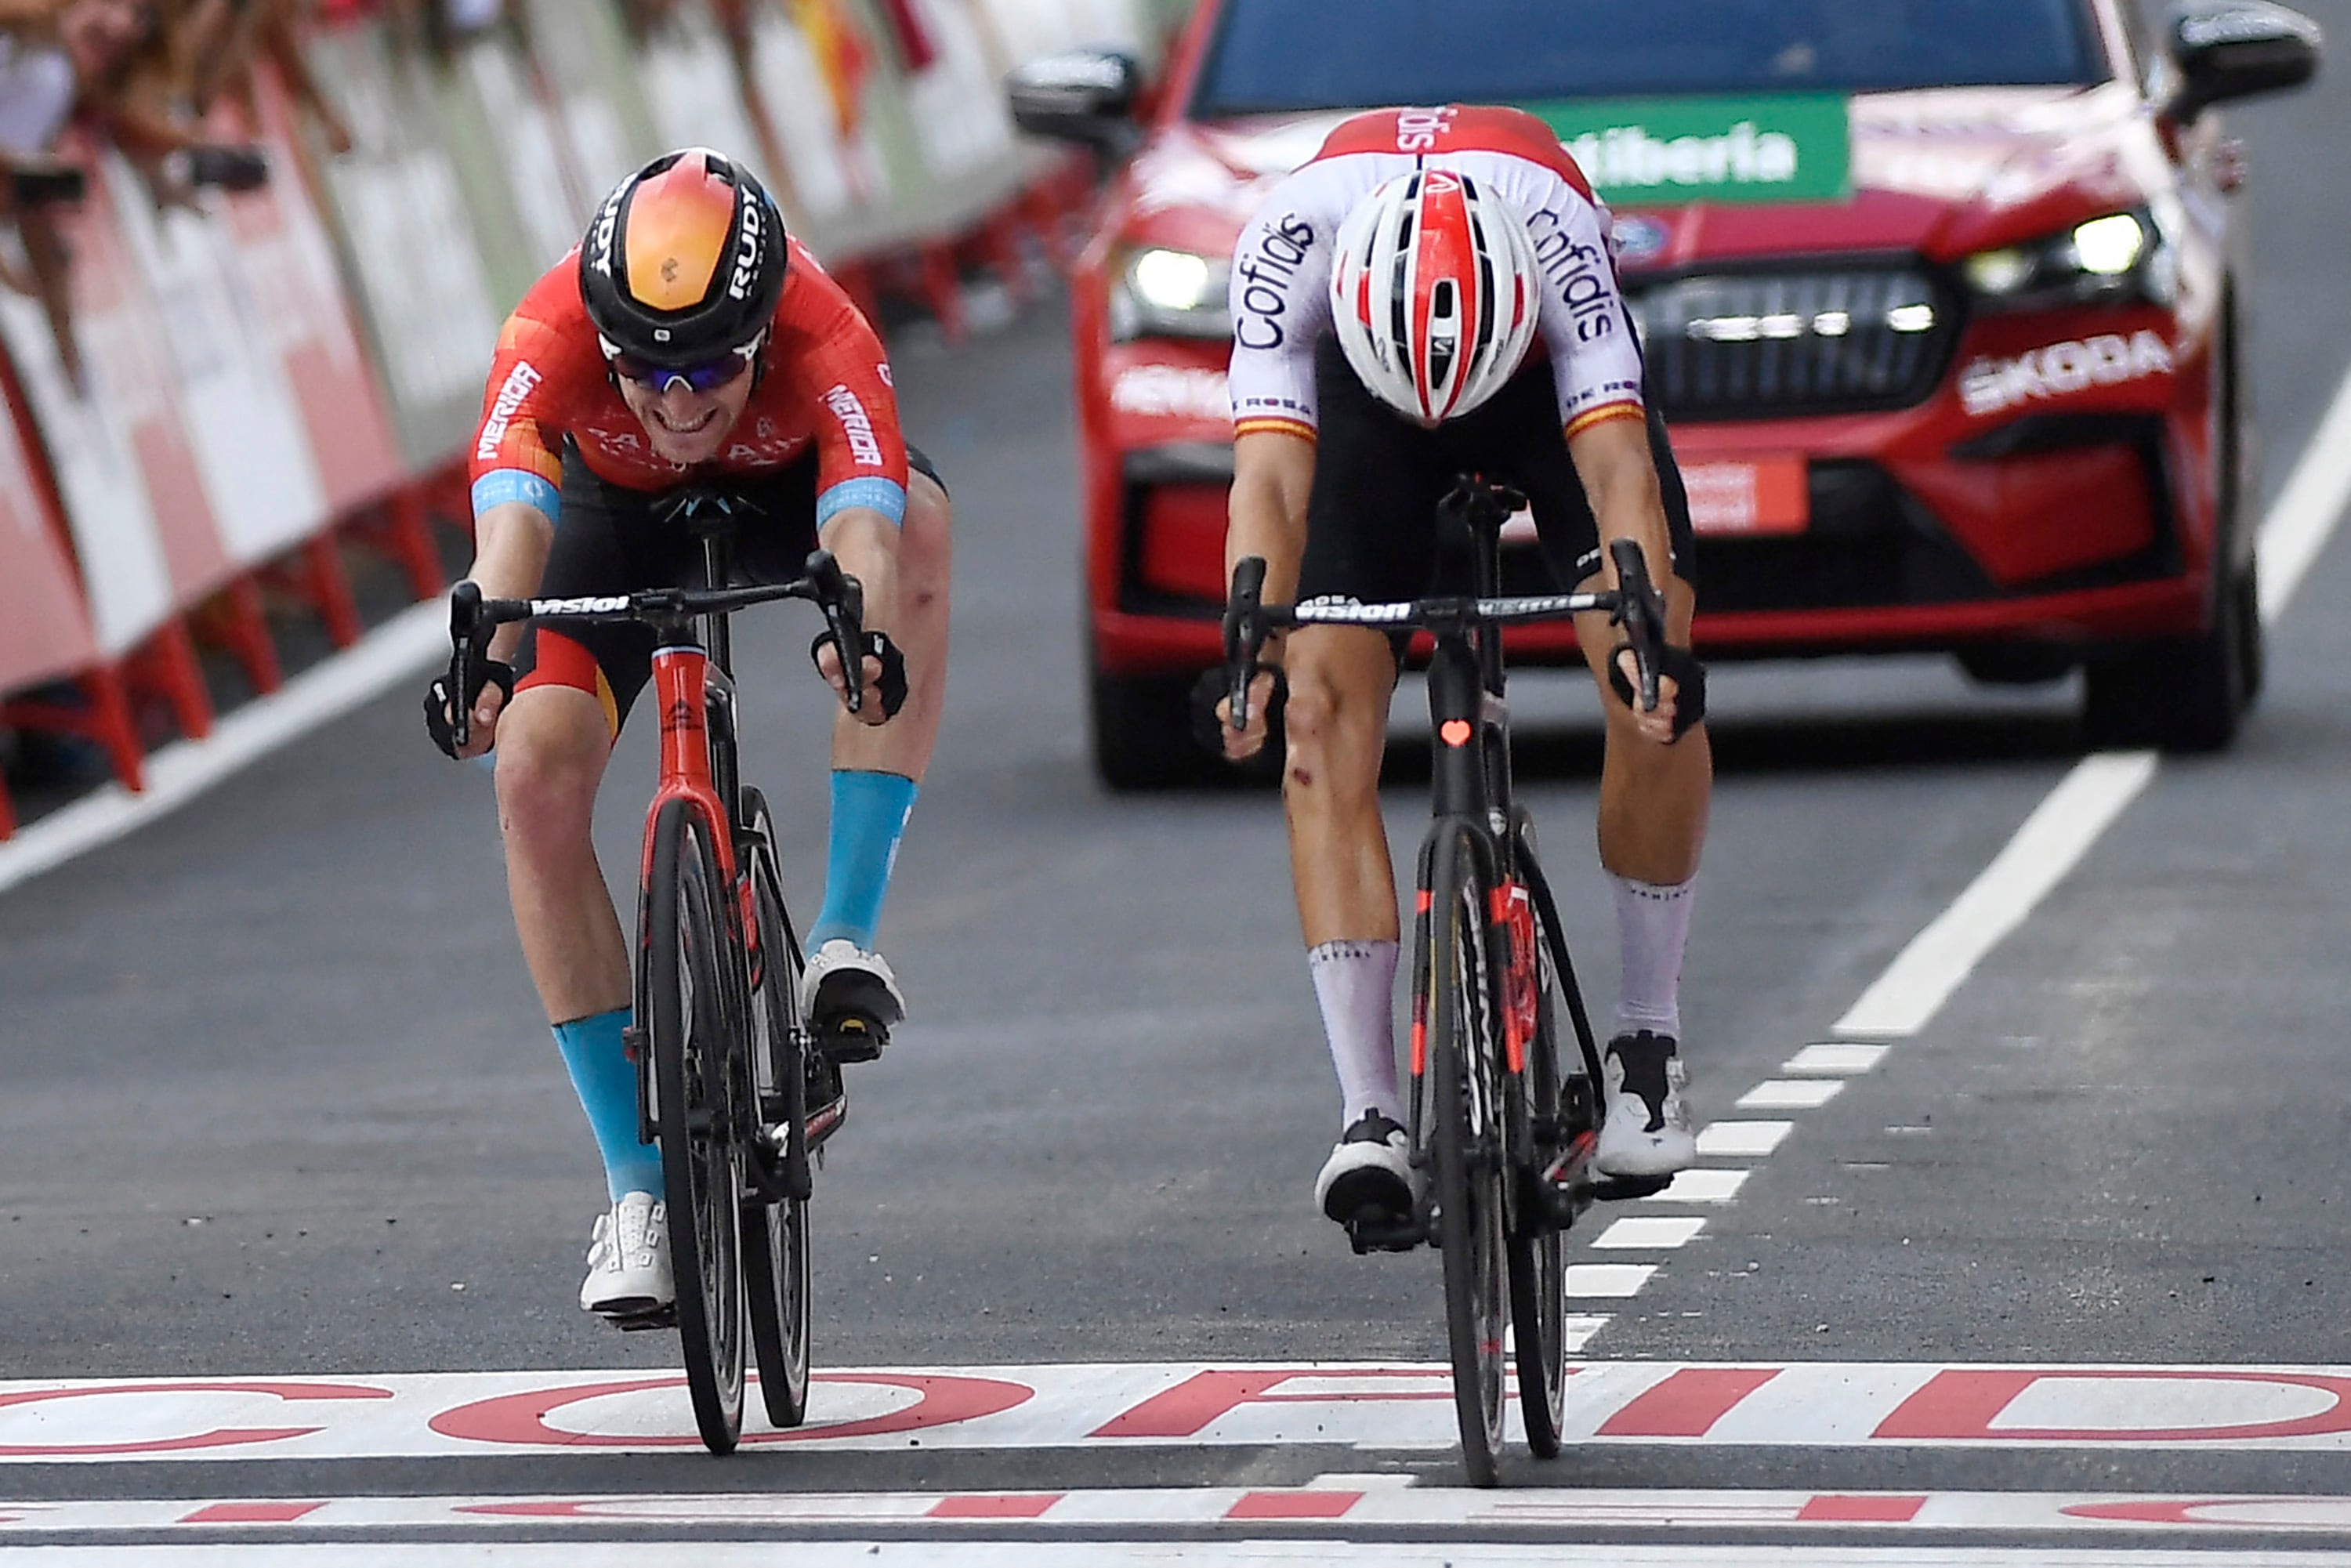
(843,598)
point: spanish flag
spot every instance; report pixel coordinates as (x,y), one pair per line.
(842,56)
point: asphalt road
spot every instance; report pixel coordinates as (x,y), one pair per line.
(277,1102)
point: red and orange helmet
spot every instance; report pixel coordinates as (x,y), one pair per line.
(684,262)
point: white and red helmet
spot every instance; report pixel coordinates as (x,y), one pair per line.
(1434,292)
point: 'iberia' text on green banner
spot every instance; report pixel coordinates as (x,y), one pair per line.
(1665,151)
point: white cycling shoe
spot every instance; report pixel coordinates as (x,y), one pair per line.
(1646,1131)
(1370,1170)
(851,1000)
(628,1260)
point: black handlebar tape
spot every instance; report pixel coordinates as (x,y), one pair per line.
(1637,608)
(1243,635)
(465,625)
(843,598)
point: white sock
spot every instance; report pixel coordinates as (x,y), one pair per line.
(1355,984)
(1652,928)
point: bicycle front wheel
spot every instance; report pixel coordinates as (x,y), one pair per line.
(776,1234)
(1463,1070)
(691,1031)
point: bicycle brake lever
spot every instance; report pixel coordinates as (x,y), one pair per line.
(465,627)
(1642,613)
(843,598)
(1244,636)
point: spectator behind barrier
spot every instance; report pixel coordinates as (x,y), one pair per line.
(142,73)
(53,54)
(226,39)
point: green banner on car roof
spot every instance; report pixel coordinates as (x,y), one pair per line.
(1671,152)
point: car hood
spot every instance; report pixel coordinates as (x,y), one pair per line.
(1942,172)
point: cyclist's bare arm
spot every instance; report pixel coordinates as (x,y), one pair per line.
(1273,474)
(510,544)
(1619,479)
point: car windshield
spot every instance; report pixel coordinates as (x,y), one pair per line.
(1292,56)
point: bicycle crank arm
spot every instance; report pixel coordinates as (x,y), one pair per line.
(1565,1196)
(771,1166)
(827,1121)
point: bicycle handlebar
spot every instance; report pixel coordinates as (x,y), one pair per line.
(1634,604)
(473,618)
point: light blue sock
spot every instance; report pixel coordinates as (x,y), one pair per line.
(606,1081)
(868,818)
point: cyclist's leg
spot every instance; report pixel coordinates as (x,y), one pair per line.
(1651,822)
(1369,535)
(553,744)
(1653,803)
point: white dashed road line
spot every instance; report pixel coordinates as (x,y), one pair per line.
(1839,1059)
(1789,1094)
(1742,1140)
(1650,1230)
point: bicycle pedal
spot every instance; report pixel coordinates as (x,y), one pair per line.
(1378,1231)
(641,1322)
(850,1037)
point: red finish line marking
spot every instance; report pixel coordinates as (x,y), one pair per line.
(1833,1509)
(1294,1505)
(1688,1403)
(253,1513)
(996,1507)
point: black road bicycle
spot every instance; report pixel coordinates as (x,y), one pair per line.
(730,1083)
(1502,1129)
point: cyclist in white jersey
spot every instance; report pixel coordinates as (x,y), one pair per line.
(1434,294)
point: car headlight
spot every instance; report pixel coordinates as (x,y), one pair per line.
(1157,292)
(2120,256)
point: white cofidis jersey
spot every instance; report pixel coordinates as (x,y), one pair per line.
(1281,269)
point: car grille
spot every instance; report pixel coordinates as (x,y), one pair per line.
(1820,340)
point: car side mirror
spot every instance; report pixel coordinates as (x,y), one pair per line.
(2225,49)
(1086,96)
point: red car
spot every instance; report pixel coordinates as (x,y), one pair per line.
(1941,299)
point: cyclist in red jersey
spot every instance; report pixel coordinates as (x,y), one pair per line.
(688,341)
(1433,293)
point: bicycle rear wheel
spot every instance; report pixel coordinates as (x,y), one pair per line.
(1464,1069)
(775,1235)
(1538,1248)
(692,1034)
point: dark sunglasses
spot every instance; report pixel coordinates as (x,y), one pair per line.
(707,376)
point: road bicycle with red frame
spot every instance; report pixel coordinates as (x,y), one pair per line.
(730,1083)
(1503,1127)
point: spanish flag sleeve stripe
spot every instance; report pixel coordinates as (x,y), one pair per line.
(1260,426)
(1604,412)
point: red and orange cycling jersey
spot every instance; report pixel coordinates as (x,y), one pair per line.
(827,384)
